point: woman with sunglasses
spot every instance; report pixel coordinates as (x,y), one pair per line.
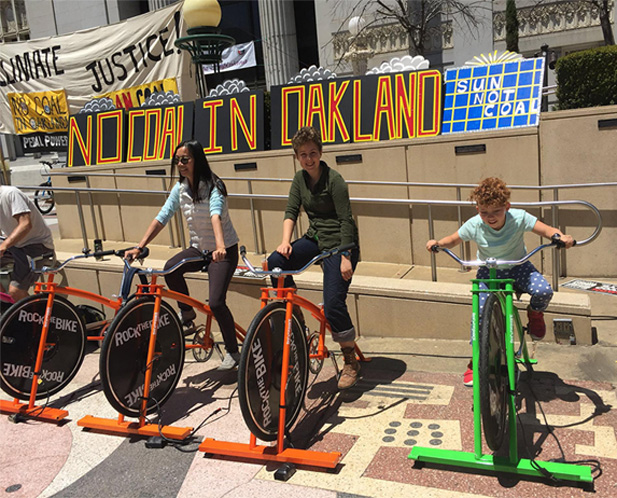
(201,196)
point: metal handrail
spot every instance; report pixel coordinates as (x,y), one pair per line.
(352,182)
(426,202)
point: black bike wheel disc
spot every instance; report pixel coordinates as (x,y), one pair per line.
(20,334)
(259,372)
(493,373)
(124,354)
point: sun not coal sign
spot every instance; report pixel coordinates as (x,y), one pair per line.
(493,96)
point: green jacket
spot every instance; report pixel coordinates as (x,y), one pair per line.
(328,208)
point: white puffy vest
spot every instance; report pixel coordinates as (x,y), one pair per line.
(198,219)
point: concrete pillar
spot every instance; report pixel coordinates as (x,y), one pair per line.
(278,33)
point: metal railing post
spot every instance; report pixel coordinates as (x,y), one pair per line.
(172,239)
(556,254)
(459,213)
(431,235)
(253,222)
(92,212)
(82,222)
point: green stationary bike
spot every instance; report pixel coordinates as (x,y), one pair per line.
(494,392)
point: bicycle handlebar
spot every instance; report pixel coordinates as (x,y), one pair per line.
(494,263)
(205,257)
(96,254)
(279,272)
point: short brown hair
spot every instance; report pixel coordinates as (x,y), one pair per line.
(305,135)
(491,192)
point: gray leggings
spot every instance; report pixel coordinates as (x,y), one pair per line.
(219,277)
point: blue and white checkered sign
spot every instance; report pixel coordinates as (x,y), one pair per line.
(494,96)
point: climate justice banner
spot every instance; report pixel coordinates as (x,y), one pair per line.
(91,62)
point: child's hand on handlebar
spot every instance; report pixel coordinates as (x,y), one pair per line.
(132,254)
(568,240)
(430,244)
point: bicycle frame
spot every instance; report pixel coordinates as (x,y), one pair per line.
(504,288)
(158,291)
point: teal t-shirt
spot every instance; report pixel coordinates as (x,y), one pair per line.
(507,243)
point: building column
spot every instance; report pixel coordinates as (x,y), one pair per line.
(278,34)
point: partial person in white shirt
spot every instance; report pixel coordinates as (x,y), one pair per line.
(202,198)
(24,234)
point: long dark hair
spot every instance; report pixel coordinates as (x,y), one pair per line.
(201,169)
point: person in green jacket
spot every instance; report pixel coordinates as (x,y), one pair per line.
(323,193)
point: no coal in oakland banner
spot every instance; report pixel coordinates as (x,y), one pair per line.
(493,96)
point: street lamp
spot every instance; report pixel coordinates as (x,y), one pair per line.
(550,58)
(358,53)
(204,40)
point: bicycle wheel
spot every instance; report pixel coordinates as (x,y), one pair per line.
(493,373)
(259,372)
(44,199)
(124,354)
(20,335)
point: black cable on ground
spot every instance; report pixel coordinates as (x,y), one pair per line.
(596,467)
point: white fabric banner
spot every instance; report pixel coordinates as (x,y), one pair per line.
(91,62)
(235,57)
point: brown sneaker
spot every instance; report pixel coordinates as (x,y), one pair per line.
(349,375)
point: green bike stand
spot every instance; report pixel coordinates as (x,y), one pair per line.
(499,464)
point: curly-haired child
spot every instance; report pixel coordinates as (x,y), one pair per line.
(498,231)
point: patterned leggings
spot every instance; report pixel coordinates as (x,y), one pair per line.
(526,279)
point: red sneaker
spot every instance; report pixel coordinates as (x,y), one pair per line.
(468,375)
(536,326)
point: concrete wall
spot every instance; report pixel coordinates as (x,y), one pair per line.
(568,147)
(378,306)
(575,147)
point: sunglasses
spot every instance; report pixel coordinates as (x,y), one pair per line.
(183,159)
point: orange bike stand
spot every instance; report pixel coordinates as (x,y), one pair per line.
(33,411)
(262,453)
(123,428)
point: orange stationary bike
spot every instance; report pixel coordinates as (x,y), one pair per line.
(43,338)
(143,354)
(276,356)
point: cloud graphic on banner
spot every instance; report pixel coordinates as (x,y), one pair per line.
(98,105)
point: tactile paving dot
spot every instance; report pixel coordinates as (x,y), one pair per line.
(416,433)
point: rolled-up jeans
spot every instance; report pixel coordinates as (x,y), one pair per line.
(335,288)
